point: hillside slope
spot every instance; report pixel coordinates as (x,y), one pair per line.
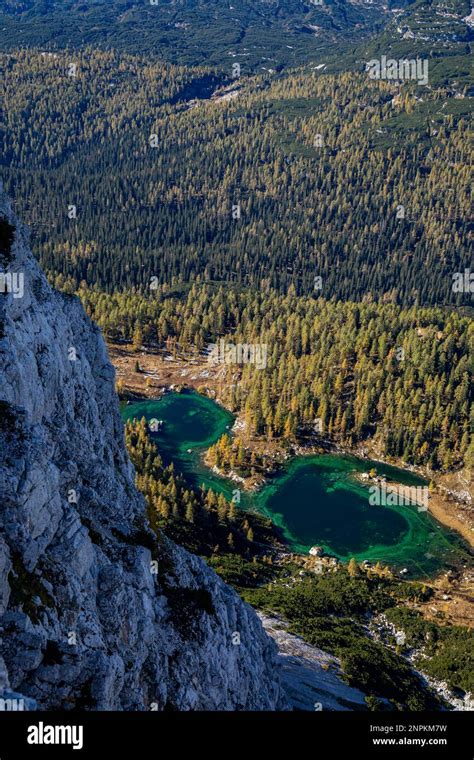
(441,31)
(381,202)
(259,34)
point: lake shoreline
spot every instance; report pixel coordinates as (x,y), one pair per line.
(442,504)
(434,558)
(450,504)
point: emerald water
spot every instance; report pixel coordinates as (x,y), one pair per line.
(314,500)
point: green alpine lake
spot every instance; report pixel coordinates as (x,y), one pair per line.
(314,500)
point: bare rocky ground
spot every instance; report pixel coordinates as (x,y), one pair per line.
(312,679)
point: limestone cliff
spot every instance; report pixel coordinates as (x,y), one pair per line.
(85,620)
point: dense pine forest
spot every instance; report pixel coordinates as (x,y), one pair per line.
(400,377)
(278,196)
(339,184)
(262,34)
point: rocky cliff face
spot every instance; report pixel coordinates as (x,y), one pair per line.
(96,612)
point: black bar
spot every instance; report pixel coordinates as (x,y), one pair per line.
(134,735)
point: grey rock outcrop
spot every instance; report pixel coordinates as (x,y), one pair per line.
(85,621)
(312,679)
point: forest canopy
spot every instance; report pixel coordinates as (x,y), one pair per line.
(353,188)
(400,377)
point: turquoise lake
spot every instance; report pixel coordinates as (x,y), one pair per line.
(314,500)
